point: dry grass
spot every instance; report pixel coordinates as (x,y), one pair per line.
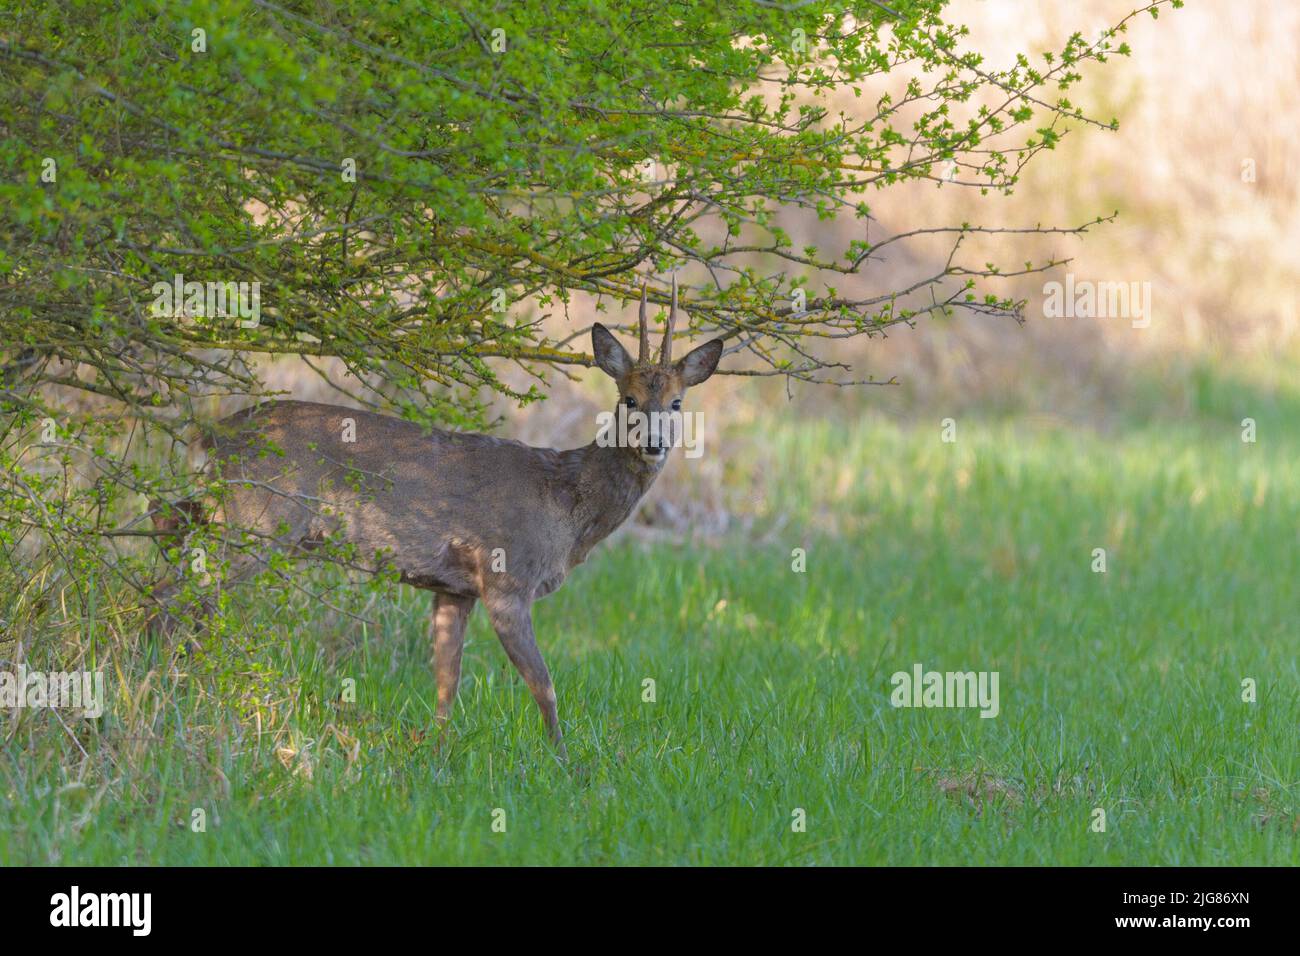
(1204,92)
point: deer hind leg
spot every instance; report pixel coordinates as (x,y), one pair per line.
(450,616)
(512,620)
(174,520)
(167,613)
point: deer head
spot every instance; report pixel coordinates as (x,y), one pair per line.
(651,391)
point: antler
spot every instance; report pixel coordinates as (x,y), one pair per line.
(645,336)
(666,354)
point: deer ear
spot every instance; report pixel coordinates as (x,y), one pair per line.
(611,358)
(699,363)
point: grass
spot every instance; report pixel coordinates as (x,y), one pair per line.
(1118,690)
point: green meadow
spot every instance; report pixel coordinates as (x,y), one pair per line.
(767,735)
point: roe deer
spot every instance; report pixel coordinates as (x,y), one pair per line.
(467,516)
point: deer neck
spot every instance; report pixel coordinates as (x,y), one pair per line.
(609,481)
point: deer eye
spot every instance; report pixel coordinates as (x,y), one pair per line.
(630,402)
(677,404)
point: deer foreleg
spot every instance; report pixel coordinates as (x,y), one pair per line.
(512,620)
